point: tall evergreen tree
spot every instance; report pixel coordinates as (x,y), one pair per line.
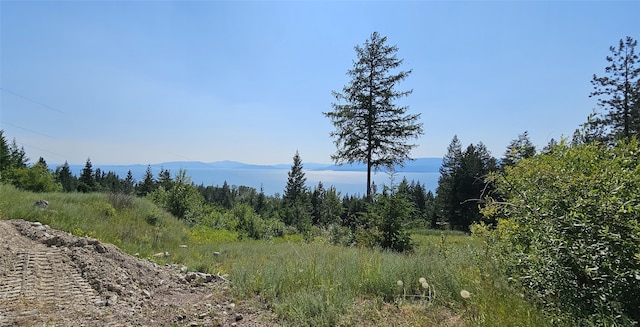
(164,179)
(5,156)
(17,156)
(66,178)
(148,184)
(369,127)
(518,149)
(462,183)
(618,93)
(87,183)
(295,183)
(297,209)
(129,183)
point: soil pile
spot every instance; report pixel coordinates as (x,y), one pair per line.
(49,277)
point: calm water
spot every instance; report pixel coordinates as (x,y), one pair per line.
(274,180)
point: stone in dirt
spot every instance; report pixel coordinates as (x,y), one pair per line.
(74,281)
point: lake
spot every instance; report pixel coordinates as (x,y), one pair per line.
(273,180)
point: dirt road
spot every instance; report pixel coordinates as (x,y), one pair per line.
(49,277)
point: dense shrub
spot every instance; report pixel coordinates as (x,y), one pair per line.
(568,230)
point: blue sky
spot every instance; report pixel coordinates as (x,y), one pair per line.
(147,81)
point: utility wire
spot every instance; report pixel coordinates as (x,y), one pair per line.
(26,129)
(32,100)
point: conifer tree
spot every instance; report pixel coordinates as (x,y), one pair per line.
(129,183)
(17,156)
(296,202)
(369,127)
(66,178)
(87,182)
(518,149)
(295,183)
(148,184)
(4,155)
(618,93)
(462,183)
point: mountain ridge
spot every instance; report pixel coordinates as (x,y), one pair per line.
(427,164)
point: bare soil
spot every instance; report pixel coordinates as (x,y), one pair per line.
(52,278)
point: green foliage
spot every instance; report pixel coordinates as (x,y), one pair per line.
(65,178)
(618,93)
(462,183)
(305,283)
(519,149)
(569,230)
(369,127)
(182,199)
(148,183)
(295,188)
(319,284)
(36,178)
(87,182)
(391,210)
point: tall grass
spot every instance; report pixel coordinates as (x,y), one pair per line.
(306,284)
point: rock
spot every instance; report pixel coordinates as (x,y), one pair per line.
(190,276)
(100,248)
(41,203)
(239,317)
(146,293)
(36,224)
(112,300)
(194,324)
(42,228)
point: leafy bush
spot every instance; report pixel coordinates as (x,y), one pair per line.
(568,229)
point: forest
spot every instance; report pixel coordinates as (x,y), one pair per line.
(561,222)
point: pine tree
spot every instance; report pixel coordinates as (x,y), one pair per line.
(66,178)
(462,183)
(618,93)
(297,209)
(129,183)
(4,155)
(295,183)
(447,201)
(369,127)
(87,182)
(518,149)
(17,156)
(148,184)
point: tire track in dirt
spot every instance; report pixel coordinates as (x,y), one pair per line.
(52,278)
(35,279)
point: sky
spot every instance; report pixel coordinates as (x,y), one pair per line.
(124,82)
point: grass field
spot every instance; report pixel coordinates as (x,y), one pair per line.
(447,281)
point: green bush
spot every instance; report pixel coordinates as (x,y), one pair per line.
(568,230)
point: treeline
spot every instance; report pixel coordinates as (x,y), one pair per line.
(300,210)
(353,219)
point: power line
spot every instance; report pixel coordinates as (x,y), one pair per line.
(26,129)
(32,100)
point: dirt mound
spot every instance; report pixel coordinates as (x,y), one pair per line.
(49,277)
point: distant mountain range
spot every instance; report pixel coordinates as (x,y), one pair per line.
(349,179)
(419,165)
